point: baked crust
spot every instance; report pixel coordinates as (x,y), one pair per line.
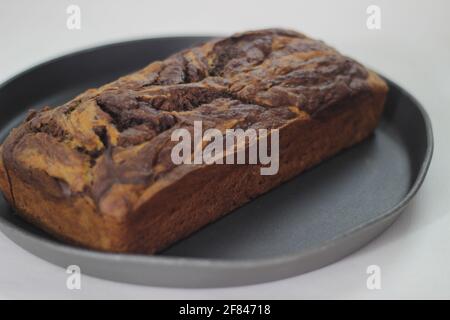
(97,172)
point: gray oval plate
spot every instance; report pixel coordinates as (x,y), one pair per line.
(311,221)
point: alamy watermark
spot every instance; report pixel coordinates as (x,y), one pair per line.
(373,21)
(73,281)
(236,146)
(373,281)
(73,21)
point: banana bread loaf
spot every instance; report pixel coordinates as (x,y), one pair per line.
(97,171)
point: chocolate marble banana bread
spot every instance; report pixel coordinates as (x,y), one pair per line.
(98,172)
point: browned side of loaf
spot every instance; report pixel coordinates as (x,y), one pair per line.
(175,212)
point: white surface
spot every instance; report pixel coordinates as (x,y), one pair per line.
(412,48)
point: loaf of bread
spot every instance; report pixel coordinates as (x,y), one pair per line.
(98,172)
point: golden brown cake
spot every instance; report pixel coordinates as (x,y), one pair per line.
(97,171)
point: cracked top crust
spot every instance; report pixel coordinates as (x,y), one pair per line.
(110,144)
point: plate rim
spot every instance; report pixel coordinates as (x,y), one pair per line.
(219,263)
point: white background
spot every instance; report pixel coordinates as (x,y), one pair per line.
(412,48)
